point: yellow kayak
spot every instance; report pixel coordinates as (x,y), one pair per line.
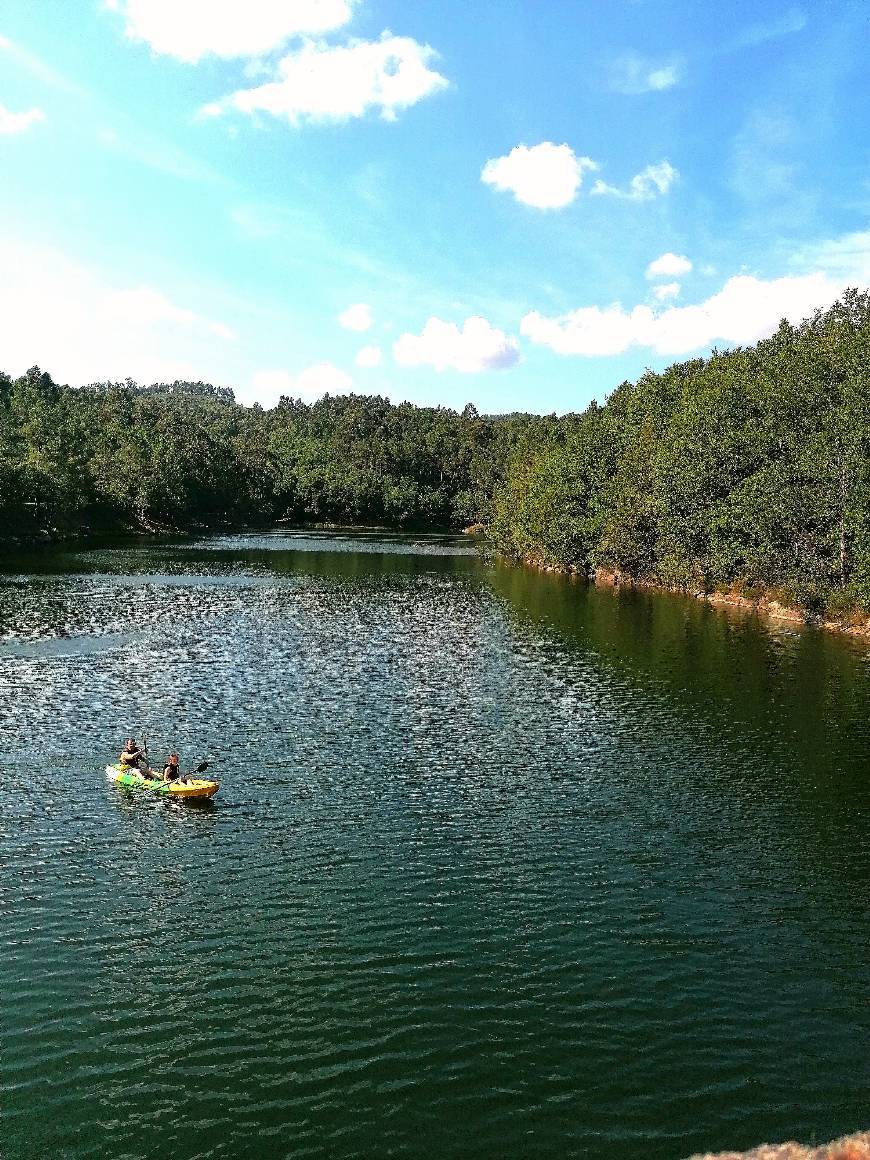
(194,787)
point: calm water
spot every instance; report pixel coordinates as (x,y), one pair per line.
(500,866)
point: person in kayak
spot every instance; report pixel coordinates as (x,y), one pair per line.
(171,772)
(134,758)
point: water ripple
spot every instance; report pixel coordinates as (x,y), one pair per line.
(499,867)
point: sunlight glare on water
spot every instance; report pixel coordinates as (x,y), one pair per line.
(500,865)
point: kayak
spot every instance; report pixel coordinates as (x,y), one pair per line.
(194,787)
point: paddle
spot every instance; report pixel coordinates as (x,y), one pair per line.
(130,768)
(201,768)
(145,752)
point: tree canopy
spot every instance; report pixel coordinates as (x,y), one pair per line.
(748,470)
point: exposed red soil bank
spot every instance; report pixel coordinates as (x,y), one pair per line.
(855,1147)
(763,605)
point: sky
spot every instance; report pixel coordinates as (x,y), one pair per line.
(513,203)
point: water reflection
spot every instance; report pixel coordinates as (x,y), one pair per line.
(499,862)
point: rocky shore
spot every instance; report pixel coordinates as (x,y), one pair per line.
(856,1147)
(762,605)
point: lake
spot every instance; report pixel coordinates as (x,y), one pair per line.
(501,865)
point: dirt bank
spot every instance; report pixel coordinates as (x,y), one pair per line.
(855,1147)
(763,604)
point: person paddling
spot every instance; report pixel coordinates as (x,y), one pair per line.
(132,757)
(171,771)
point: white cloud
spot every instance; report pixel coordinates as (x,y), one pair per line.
(145,307)
(794,20)
(663,78)
(322,378)
(267,387)
(587,331)
(545,176)
(649,183)
(82,327)
(192,29)
(357,317)
(669,265)
(320,82)
(18,122)
(369,356)
(846,259)
(633,74)
(478,346)
(666,291)
(745,310)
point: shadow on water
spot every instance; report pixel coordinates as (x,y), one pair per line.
(791,705)
(133,801)
(810,684)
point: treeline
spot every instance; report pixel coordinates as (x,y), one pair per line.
(746,472)
(178,455)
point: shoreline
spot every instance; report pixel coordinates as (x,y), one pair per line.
(83,536)
(852,1147)
(764,604)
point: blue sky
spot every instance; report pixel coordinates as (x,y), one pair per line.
(508,203)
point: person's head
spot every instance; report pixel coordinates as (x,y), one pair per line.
(131,743)
(173,759)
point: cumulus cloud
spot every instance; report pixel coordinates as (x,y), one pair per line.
(545,176)
(322,378)
(651,182)
(666,291)
(267,387)
(313,383)
(82,327)
(18,122)
(320,82)
(633,74)
(357,317)
(192,29)
(669,266)
(745,310)
(477,346)
(369,356)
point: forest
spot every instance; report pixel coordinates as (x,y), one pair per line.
(745,472)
